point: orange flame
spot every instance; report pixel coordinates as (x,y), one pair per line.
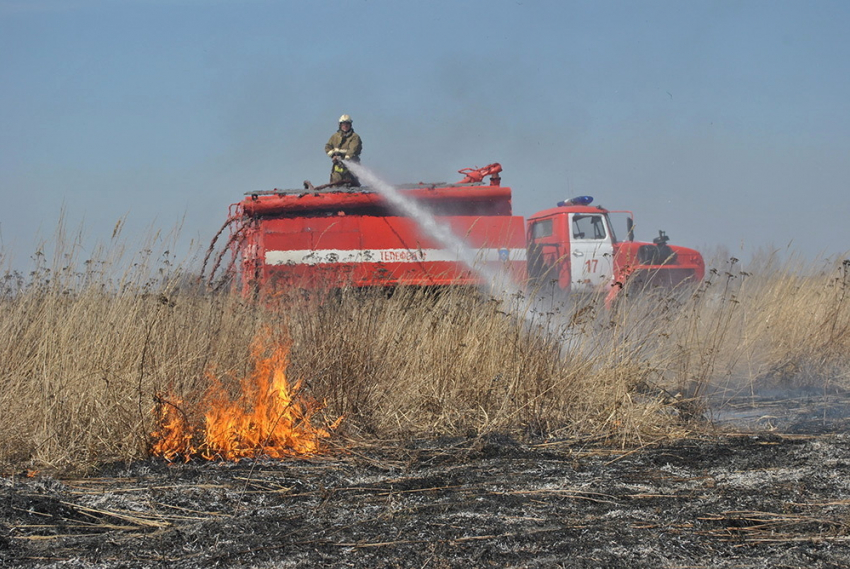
(270,417)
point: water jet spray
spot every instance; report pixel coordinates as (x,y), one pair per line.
(500,283)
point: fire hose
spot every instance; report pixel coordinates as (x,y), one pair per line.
(238,231)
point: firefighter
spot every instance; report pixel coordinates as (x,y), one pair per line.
(344,144)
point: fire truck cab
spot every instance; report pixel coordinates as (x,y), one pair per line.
(573,248)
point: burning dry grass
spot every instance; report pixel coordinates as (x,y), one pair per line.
(84,355)
(269,416)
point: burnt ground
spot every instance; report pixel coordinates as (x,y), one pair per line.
(764,498)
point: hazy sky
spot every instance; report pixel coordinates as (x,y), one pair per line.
(725,123)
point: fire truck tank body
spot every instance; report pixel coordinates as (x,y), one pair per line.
(353,238)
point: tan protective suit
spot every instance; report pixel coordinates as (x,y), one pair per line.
(346,145)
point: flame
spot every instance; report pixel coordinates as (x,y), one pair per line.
(270,417)
(175,435)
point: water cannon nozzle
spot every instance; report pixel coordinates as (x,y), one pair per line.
(662,238)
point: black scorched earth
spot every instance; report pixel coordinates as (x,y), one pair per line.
(754,499)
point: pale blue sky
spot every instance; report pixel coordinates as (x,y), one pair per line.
(723,123)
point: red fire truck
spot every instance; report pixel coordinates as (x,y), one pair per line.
(332,237)
(573,247)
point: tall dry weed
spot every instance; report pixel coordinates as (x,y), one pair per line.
(87,346)
(786,327)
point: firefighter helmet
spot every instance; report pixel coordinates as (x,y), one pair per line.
(345,118)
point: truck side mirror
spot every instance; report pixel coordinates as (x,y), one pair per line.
(630,228)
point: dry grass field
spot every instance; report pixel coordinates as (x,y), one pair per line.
(89,346)
(454,428)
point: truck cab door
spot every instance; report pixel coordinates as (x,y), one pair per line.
(591,252)
(548,254)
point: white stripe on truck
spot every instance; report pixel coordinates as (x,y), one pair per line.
(333,256)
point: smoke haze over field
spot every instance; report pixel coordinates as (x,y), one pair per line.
(723,123)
